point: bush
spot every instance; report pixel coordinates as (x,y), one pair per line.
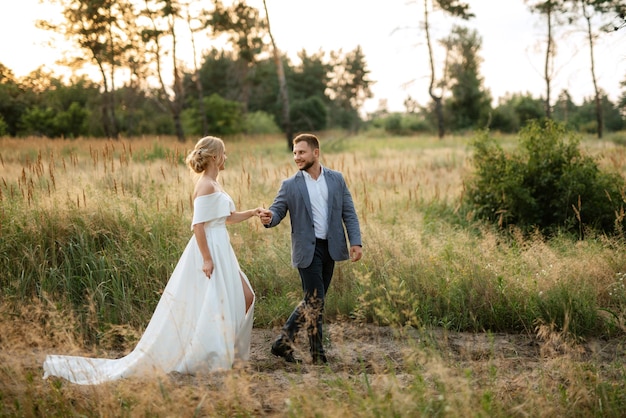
(308,115)
(260,123)
(224,117)
(546,185)
(399,124)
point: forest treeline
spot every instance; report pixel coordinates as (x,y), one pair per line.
(141,84)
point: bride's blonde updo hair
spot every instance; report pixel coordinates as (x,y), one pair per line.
(208,150)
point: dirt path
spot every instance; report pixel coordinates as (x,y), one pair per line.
(511,367)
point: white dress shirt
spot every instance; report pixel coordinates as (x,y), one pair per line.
(318,194)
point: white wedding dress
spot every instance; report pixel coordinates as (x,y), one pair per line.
(199,325)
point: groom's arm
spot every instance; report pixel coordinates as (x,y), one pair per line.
(279,207)
(349,216)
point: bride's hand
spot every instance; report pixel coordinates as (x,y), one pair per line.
(207,268)
(265,215)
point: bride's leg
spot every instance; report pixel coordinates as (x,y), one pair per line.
(247,293)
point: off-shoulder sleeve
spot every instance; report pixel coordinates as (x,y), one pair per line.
(211,206)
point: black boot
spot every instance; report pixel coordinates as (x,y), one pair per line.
(281,348)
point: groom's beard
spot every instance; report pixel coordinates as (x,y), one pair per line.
(307,166)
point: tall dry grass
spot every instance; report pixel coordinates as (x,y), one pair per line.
(91,230)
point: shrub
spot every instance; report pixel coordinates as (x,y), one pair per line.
(408,124)
(393,123)
(260,123)
(224,117)
(309,114)
(547,184)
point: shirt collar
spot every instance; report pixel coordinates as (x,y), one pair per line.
(308,176)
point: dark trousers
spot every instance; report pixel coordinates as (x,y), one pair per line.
(315,281)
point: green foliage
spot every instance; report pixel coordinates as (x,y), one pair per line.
(586,115)
(112,263)
(351,85)
(308,115)
(224,117)
(516,111)
(13,100)
(404,124)
(39,121)
(4,127)
(388,301)
(70,123)
(260,123)
(547,184)
(470,104)
(570,308)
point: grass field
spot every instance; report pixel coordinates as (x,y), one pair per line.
(444,316)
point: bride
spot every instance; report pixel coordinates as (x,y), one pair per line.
(203,321)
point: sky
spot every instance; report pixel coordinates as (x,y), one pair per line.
(390,35)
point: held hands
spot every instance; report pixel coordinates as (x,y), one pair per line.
(265,215)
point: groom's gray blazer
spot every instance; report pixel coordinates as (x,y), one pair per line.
(293,197)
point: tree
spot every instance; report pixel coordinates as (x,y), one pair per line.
(307,79)
(618,23)
(162,15)
(622,98)
(311,77)
(57,109)
(191,22)
(12,103)
(469,105)
(551,9)
(588,9)
(218,74)
(515,111)
(350,85)
(455,8)
(586,115)
(245,30)
(282,83)
(95,26)
(565,109)
(309,114)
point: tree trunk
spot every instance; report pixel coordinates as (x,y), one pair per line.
(176,104)
(111,98)
(598,101)
(106,119)
(198,81)
(173,105)
(282,83)
(431,87)
(547,70)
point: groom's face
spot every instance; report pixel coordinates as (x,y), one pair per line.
(304,156)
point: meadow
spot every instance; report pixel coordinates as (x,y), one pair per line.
(444,316)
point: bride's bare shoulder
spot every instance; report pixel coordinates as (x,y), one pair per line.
(205,186)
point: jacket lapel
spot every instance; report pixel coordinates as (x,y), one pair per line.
(301,185)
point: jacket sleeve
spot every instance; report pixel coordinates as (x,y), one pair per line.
(279,207)
(349,216)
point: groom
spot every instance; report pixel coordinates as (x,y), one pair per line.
(319,205)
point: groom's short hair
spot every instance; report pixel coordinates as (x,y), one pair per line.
(310,139)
